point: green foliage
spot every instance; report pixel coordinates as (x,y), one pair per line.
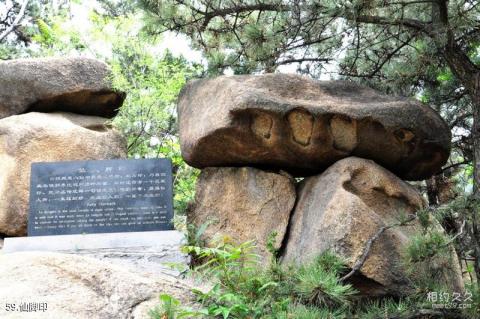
(300,311)
(425,246)
(239,289)
(445,76)
(169,308)
(34,26)
(464,211)
(473,311)
(230,263)
(424,218)
(271,245)
(428,261)
(386,308)
(317,283)
(244,288)
(151,78)
(148,117)
(327,38)
(194,238)
(45,32)
(184,186)
(194,235)
(54,34)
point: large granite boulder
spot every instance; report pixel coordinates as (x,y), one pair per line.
(347,205)
(293,123)
(243,204)
(42,137)
(81,287)
(77,85)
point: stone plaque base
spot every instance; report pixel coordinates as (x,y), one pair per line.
(149,252)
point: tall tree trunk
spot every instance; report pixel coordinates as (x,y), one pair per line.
(476,142)
(432,191)
(469,75)
(475,231)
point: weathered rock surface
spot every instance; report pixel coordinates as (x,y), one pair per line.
(80,287)
(42,137)
(243,204)
(343,208)
(77,85)
(148,252)
(293,123)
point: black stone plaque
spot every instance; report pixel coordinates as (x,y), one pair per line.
(100,197)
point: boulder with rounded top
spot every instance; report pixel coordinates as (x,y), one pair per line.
(78,85)
(42,137)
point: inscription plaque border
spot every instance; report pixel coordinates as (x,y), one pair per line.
(41,172)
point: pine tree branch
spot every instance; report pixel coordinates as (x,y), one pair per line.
(378,20)
(15,23)
(445,245)
(359,263)
(300,60)
(453,166)
(208,16)
(460,232)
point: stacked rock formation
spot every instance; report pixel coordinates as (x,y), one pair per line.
(251,135)
(53,109)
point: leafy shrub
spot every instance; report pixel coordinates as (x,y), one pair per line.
(244,288)
(169,308)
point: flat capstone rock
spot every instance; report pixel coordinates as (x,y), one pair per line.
(293,123)
(76,85)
